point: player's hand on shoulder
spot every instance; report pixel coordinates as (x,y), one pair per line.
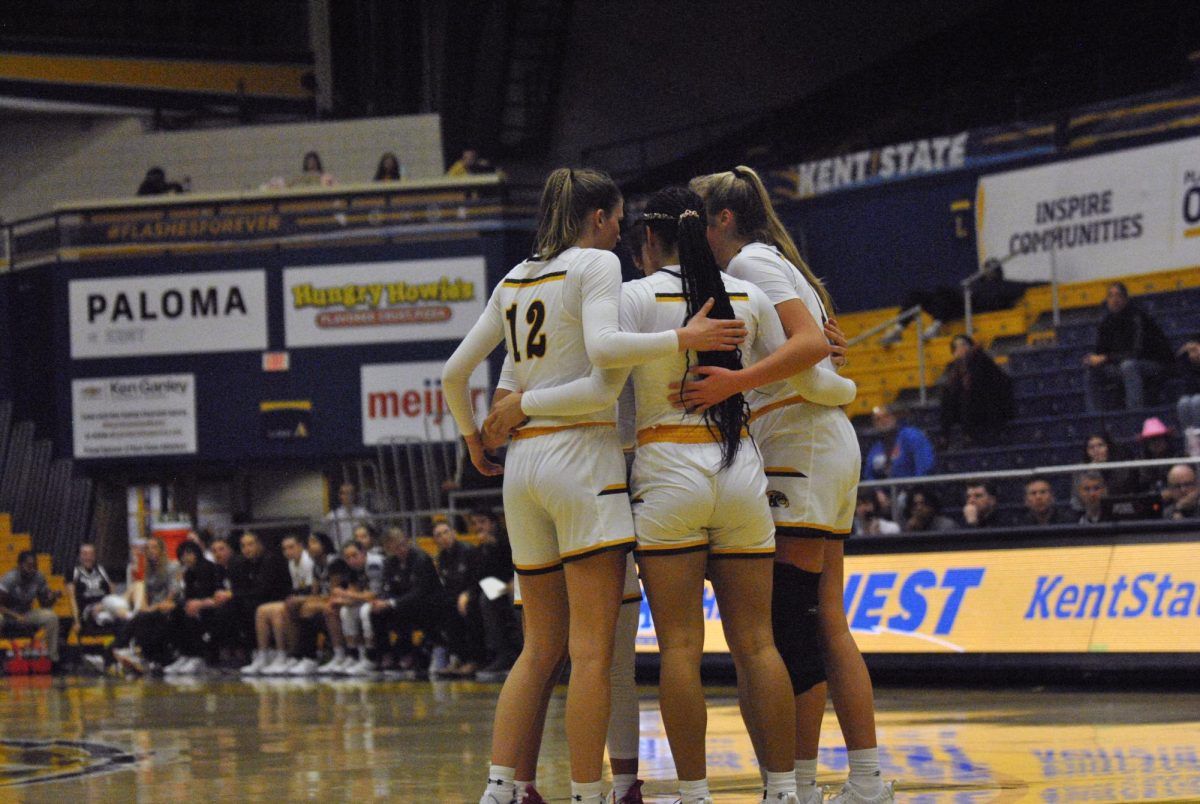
(704,334)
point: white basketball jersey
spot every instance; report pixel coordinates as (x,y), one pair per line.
(542,306)
(657,303)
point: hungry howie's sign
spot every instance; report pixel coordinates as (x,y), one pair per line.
(413,300)
(1118,599)
(133,316)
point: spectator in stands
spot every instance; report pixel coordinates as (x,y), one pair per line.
(200,582)
(367,541)
(982,509)
(470,163)
(1091,490)
(1156,444)
(271,618)
(977,395)
(91,591)
(868,521)
(156,183)
(944,303)
(1040,506)
(413,598)
(458,567)
(306,611)
(388,168)
(1131,351)
(1181,496)
(901,451)
(1099,448)
(922,512)
(1188,407)
(502,632)
(19,590)
(312,173)
(153,604)
(260,577)
(346,517)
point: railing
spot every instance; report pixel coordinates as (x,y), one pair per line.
(899,320)
(988,266)
(894,484)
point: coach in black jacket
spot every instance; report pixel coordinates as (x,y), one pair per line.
(260,577)
(413,598)
(1131,350)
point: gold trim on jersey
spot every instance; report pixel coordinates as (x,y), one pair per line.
(680,297)
(681,434)
(534,432)
(521,284)
(783,471)
(615,488)
(783,403)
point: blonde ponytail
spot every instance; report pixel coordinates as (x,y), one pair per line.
(567,198)
(742,191)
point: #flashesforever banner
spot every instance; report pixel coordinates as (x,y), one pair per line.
(1126,212)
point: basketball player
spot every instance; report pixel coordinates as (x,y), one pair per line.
(565,493)
(812,459)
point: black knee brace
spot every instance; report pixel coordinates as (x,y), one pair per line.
(796,625)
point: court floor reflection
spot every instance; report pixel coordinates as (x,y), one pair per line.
(104,740)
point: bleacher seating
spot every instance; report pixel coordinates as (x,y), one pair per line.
(1046,365)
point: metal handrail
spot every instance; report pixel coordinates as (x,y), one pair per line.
(912,312)
(988,264)
(894,484)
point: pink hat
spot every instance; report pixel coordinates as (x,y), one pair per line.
(1153,428)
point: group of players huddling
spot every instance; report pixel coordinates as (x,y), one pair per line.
(745,472)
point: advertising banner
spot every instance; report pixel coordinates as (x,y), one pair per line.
(133,316)
(1098,599)
(404,400)
(1134,211)
(382,302)
(119,417)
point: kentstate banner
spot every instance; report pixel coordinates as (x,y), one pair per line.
(121,417)
(380,302)
(1136,598)
(405,400)
(133,316)
(1132,211)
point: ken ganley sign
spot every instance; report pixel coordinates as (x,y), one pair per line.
(222,311)
(405,401)
(114,417)
(380,302)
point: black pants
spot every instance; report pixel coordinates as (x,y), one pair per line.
(502,631)
(464,635)
(407,617)
(152,630)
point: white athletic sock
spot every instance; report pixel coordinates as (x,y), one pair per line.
(362,652)
(779,785)
(339,653)
(500,785)
(587,792)
(806,773)
(522,789)
(621,784)
(762,772)
(691,792)
(864,771)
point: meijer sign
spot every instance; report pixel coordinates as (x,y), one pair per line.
(405,400)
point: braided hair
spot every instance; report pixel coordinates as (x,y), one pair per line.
(676,216)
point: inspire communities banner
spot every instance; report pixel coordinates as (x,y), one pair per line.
(1133,211)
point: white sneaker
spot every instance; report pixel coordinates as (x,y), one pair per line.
(256,666)
(129,659)
(304,667)
(810,794)
(176,666)
(363,667)
(279,667)
(196,667)
(849,795)
(333,666)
